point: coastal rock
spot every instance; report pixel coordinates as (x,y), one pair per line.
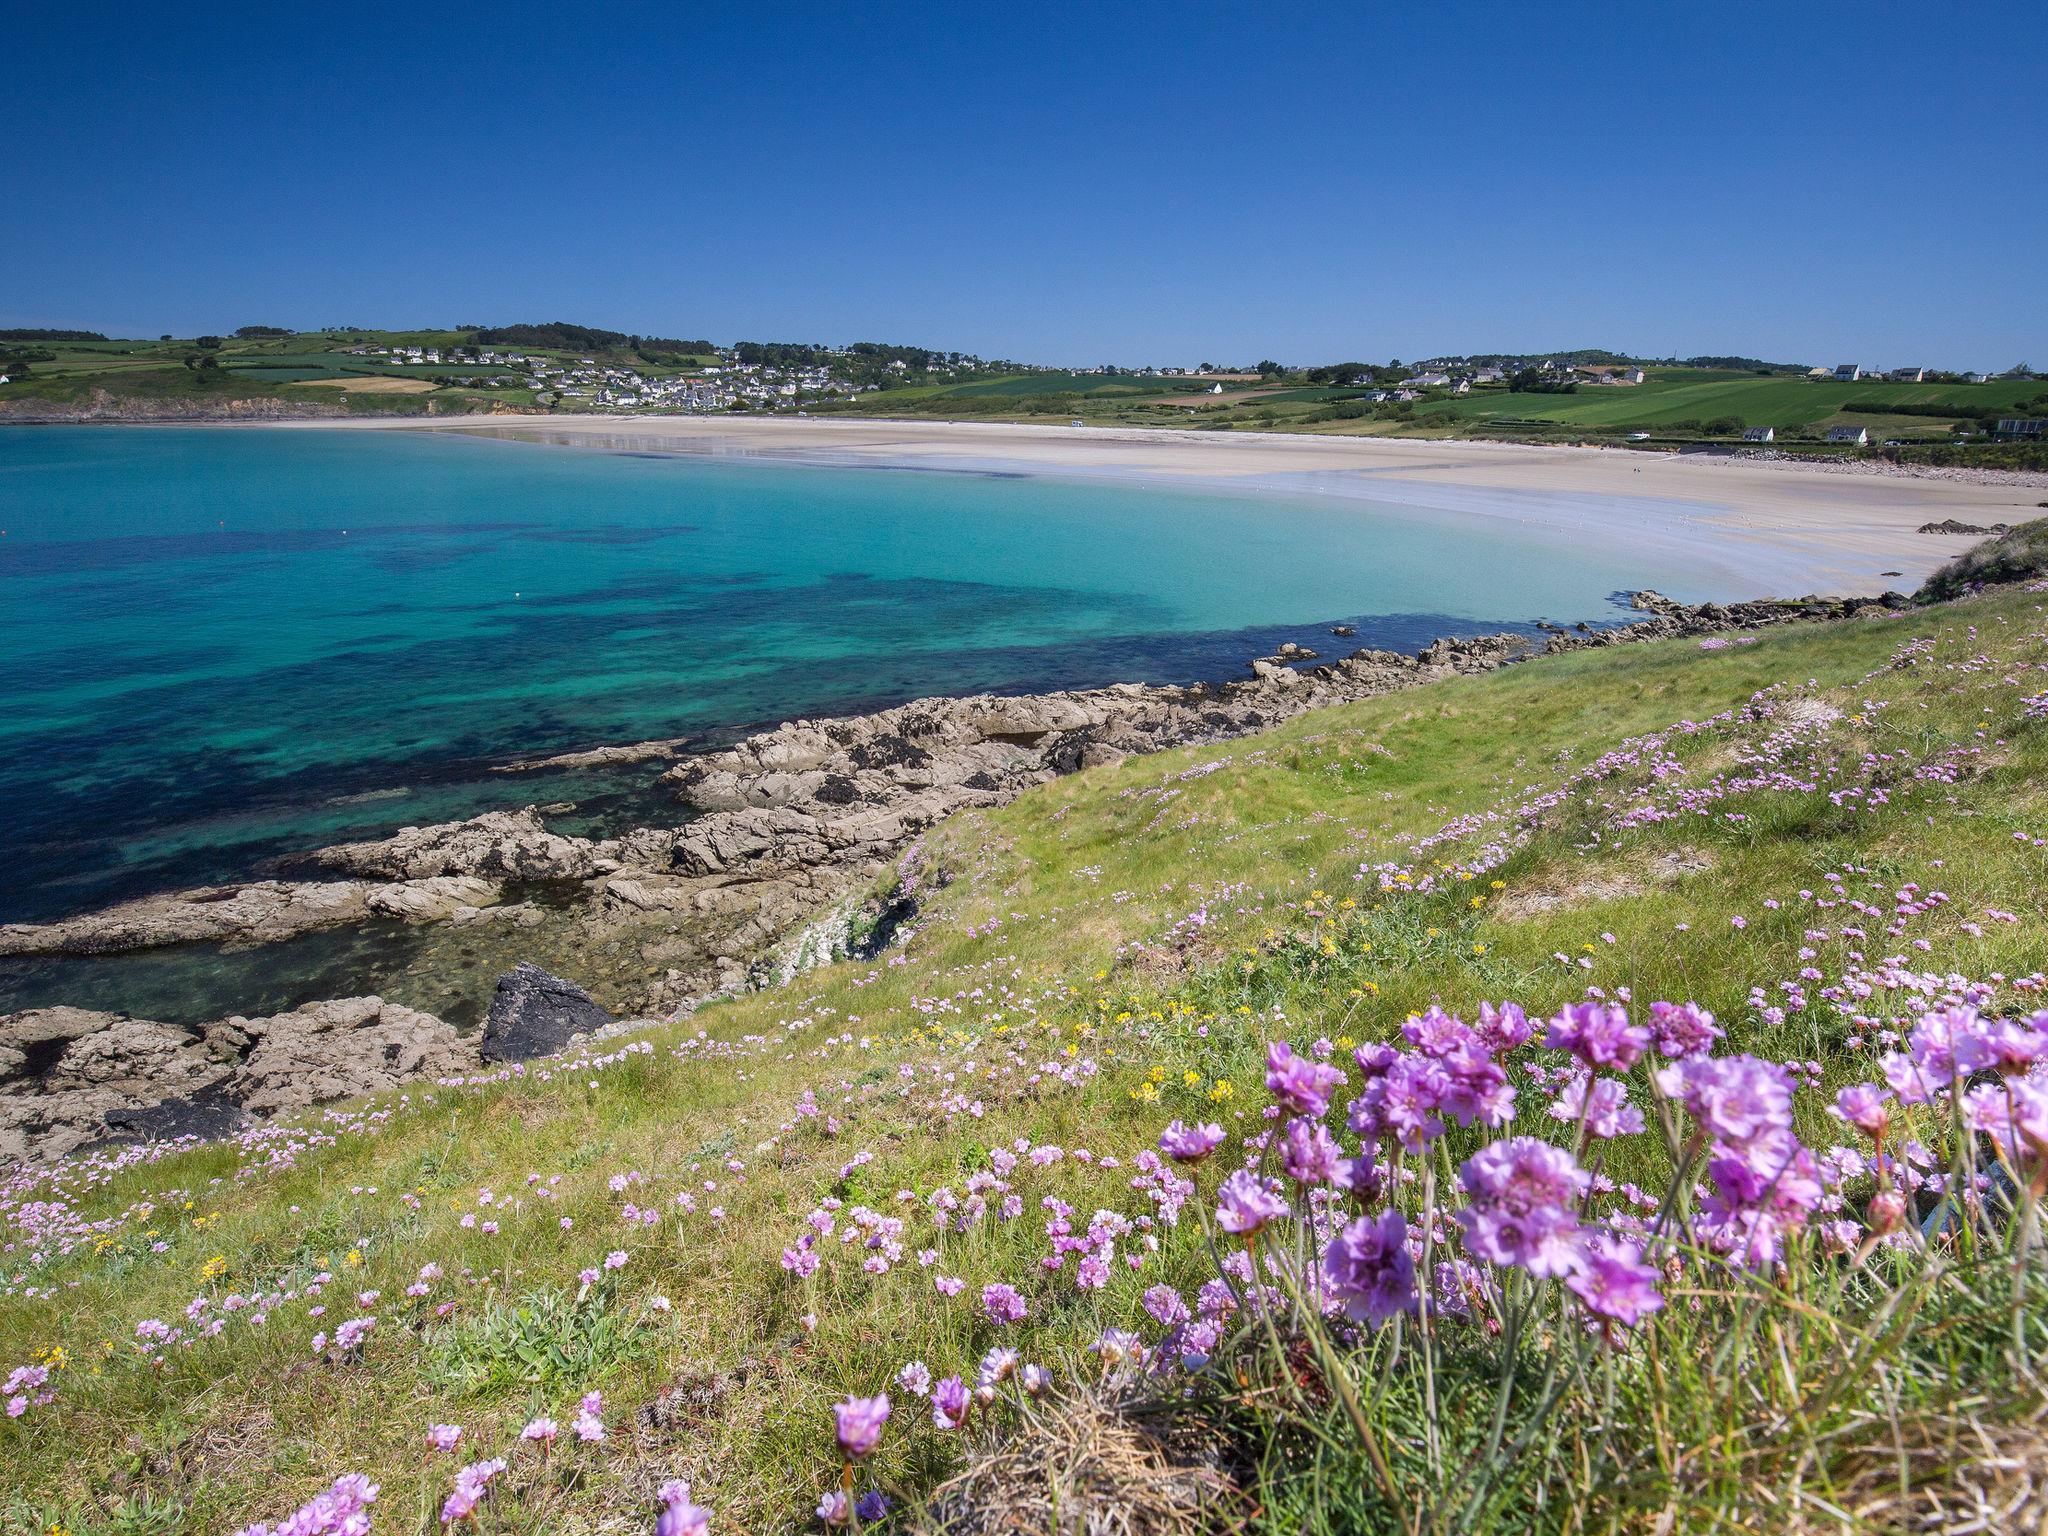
(1952,525)
(536,1014)
(500,845)
(261,912)
(341,1049)
(70,1077)
(66,1073)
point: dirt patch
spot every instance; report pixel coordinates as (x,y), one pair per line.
(377,386)
(1538,899)
(1085,1467)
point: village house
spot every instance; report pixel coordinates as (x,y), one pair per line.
(1847,373)
(1907,375)
(1858,437)
(1760,435)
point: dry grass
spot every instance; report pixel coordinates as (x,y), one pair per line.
(1083,1467)
(370,386)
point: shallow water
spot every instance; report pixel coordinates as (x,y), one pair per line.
(219,646)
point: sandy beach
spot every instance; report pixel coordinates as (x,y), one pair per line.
(1777,525)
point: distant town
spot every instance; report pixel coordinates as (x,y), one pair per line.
(1742,404)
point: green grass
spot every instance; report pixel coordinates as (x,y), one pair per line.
(1047,943)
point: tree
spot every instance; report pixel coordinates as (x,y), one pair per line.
(207,343)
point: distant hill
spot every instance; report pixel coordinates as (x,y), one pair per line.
(555,333)
(31,334)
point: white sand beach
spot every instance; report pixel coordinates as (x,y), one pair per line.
(1781,527)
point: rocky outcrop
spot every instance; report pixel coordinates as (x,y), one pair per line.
(70,1077)
(1954,526)
(338,1050)
(260,912)
(601,757)
(499,845)
(536,1014)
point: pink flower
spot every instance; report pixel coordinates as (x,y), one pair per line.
(1614,1282)
(471,1483)
(1599,1034)
(444,1437)
(1524,1194)
(860,1421)
(679,1517)
(1190,1144)
(1304,1086)
(950,1402)
(1246,1203)
(541,1431)
(1002,1303)
(1369,1271)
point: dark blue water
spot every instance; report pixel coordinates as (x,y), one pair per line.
(220,646)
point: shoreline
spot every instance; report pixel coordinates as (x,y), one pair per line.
(1761,524)
(783,866)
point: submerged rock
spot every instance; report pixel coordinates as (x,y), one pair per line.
(537,1014)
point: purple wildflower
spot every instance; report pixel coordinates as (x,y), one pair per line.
(1740,1101)
(1614,1282)
(679,1517)
(1301,1084)
(860,1424)
(949,1403)
(1190,1144)
(1309,1154)
(1683,1029)
(1246,1203)
(1369,1271)
(1599,1034)
(1523,1192)
(1002,1303)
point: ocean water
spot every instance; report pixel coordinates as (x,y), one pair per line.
(219,647)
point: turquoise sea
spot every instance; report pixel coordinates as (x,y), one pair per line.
(221,646)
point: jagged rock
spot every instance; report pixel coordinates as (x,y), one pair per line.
(500,845)
(261,912)
(1342,631)
(1952,525)
(341,1049)
(536,1014)
(70,1077)
(65,1071)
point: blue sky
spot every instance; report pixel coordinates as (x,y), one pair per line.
(1122,182)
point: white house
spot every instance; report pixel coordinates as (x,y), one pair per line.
(1907,375)
(1858,437)
(1847,373)
(1760,435)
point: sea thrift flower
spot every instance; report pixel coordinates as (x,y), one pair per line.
(915,1378)
(471,1484)
(1739,1101)
(1002,1303)
(1599,1034)
(860,1421)
(1863,1106)
(1190,1144)
(541,1431)
(833,1508)
(1303,1085)
(1523,1193)
(343,1510)
(1608,1115)
(1310,1155)
(589,1421)
(679,1517)
(950,1402)
(1683,1029)
(1614,1282)
(444,1437)
(1245,1204)
(1368,1269)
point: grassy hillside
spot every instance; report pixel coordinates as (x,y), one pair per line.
(725,1228)
(1674,403)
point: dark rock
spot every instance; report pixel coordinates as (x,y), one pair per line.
(535,1014)
(889,752)
(837,789)
(1343,630)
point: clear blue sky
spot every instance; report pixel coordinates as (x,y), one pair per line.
(1125,181)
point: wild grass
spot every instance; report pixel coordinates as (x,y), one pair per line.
(1110,952)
